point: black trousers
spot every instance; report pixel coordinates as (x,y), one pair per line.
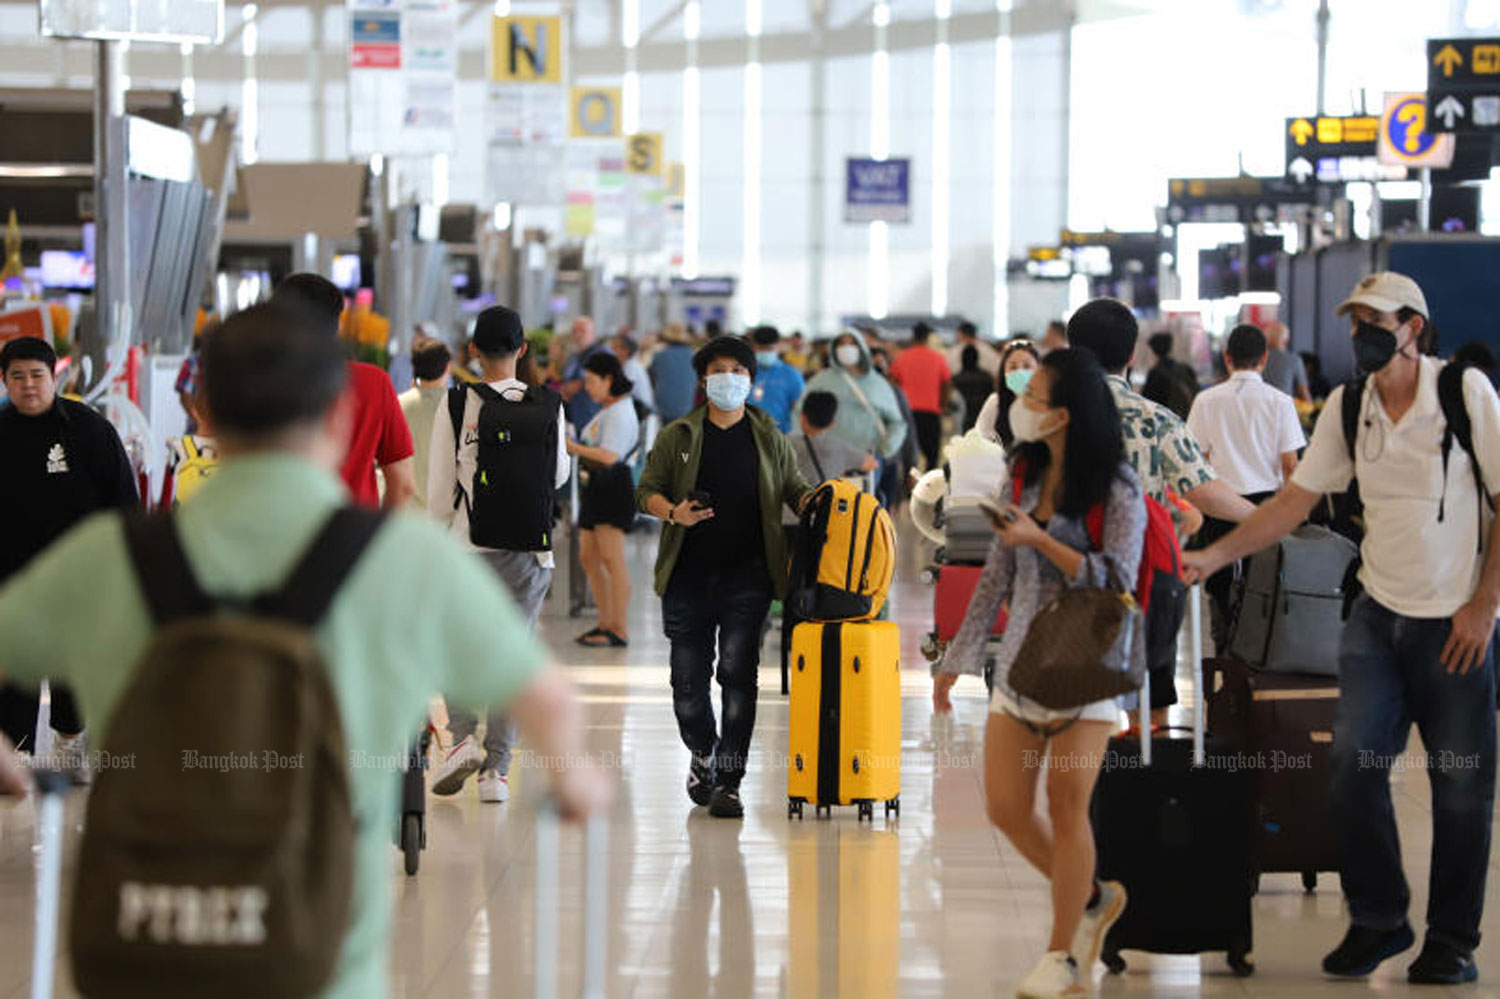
(18,708)
(929,436)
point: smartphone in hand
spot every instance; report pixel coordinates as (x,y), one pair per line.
(700,499)
(1000,516)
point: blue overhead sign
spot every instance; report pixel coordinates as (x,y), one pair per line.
(877,190)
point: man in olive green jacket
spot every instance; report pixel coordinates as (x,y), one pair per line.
(718,478)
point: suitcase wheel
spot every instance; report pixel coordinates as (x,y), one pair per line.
(1309,881)
(893,807)
(1240,961)
(824,811)
(867,811)
(413,838)
(794,809)
(1113,962)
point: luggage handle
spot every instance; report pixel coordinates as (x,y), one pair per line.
(595,901)
(51,787)
(1200,693)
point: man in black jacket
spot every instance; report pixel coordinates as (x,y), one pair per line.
(62,461)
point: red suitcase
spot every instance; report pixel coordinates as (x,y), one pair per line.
(950,600)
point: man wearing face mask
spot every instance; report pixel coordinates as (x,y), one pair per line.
(778,385)
(718,479)
(1416,647)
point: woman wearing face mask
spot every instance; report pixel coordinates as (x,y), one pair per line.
(870,417)
(1070,458)
(718,479)
(1018,362)
(606,507)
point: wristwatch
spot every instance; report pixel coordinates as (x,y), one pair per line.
(672,514)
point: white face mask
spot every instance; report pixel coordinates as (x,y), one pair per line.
(1026,424)
(848,355)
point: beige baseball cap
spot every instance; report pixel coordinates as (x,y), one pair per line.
(1386,291)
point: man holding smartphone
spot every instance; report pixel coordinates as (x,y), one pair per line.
(718,479)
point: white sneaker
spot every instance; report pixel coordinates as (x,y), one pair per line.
(461,761)
(1097,920)
(71,753)
(494,786)
(1054,977)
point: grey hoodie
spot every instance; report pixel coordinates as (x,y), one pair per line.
(883,431)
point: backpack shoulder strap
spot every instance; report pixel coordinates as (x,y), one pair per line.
(189,447)
(167,581)
(1349,407)
(813,454)
(1455,410)
(308,592)
(458,397)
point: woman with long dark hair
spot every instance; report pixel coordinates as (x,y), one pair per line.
(1069,460)
(1018,362)
(606,505)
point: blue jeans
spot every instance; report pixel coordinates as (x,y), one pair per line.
(727,606)
(1390,676)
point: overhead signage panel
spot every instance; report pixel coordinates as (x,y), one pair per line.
(877,190)
(1333,149)
(1406,135)
(1463,84)
(526,50)
(1234,199)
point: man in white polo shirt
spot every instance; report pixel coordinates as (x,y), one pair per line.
(1417,645)
(1251,435)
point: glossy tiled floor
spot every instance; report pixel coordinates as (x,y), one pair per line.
(934,905)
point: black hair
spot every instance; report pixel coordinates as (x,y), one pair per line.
(712,328)
(1107,328)
(1006,396)
(967,328)
(1475,354)
(631,347)
(266,369)
(429,357)
(820,409)
(921,332)
(1246,347)
(1160,344)
(607,365)
(313,293)
(1095,447)
(765,336)
(968,358)
(735,347)
(27,348)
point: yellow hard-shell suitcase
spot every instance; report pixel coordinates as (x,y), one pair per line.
(845,741)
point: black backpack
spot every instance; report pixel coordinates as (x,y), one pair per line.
(512,499)
(1459,428)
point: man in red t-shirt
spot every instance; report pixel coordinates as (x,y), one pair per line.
(379,434)
(923,375)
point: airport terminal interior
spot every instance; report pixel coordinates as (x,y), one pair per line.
(624,276)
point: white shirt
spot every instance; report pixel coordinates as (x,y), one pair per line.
(445,469)
(988,414)
(1245,426)
(640,382)
(616,429)
(1414,564)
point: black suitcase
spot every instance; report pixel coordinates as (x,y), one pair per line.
(1282,722)
(1174,831)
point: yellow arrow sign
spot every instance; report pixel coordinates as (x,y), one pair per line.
(1302,130)
(1448,59)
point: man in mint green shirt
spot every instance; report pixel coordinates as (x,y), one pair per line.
(273,385)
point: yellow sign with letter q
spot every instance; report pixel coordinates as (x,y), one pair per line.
(596,113)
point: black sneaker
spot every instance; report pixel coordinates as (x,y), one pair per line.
(1442,963)
(726,803)
(1364,948)
(700,781)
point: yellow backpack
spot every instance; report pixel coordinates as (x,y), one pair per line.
(846,556)
(192,471)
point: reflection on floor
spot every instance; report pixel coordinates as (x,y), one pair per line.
(936,904)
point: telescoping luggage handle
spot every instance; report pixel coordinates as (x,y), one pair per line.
(51,788)
(595,902)
(1195,657)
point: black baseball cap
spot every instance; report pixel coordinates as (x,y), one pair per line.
(498,331)
(725,345)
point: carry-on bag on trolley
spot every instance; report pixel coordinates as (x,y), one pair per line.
(845,731)
(547,944)
(952,591)
(1284,723)
(1171,823)
(1288,609)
